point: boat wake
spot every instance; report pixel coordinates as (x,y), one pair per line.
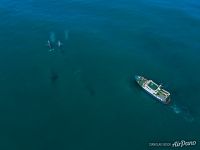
(183,112)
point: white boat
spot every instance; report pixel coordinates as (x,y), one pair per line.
(154,89)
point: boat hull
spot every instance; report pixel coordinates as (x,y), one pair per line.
(141,81)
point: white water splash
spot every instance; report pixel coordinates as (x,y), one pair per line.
(176,109)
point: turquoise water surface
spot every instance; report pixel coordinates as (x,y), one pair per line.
(82,96)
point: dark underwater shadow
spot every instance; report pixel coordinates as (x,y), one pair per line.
(90,89)
(54,77)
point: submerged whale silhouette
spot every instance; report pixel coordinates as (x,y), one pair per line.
(54,77)
(90,90)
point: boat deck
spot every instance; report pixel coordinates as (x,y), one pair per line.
(152,85)
(162,94)
(154,89)
(142,81)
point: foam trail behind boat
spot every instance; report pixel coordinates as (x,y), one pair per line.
(182,111)
(52,37)
(176,109)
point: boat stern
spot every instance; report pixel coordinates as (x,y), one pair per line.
(168,101)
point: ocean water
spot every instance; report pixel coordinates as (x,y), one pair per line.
(82,96)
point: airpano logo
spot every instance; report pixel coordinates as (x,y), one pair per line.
(184,143)
(175,144)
